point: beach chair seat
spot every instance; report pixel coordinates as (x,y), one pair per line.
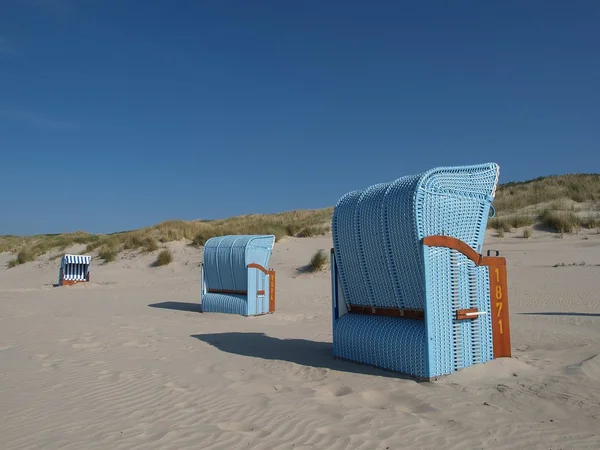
(234,275)
(411,291)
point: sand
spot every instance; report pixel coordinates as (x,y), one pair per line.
(129,361)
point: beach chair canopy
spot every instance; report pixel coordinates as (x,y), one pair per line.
(74,268)
(235,274)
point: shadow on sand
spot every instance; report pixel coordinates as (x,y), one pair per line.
(178,306)
(298,351)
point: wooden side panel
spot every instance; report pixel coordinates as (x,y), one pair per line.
(453,243)
(499,306)
(271,291)
(227,291)
(258,266)
(418,314)
(71,282)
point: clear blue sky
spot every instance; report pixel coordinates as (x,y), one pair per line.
(118,114)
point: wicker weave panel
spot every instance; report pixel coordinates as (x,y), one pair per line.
(225,303)
(387,342)
(455,202)
(346,242)
(371,239)
(402,248)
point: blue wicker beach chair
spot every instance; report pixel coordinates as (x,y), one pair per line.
(411,291)
(74,269)
(235,278)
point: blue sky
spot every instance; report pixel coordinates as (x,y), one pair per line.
(117,114)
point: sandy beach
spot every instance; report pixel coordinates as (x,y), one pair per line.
(129,361)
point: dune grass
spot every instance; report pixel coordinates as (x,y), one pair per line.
(557,202)
(292,223)
(567,221)
(28,248)
(164,257)
(507,223)
(580,188)
(318,261)
(108,254)
(301,222)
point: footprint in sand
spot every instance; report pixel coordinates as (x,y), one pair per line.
(337,390)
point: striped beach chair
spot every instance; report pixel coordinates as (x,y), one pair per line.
(235,278)
(74,269)
(412,292)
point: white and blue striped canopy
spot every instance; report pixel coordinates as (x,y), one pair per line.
(77,259)
(75,267)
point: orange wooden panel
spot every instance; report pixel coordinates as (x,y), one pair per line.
(466,314)
(390,312)
(271,291)
(259,267)
(499,307)
(72,282)
(226,291)
(456,244)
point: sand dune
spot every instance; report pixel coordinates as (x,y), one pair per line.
(129,361)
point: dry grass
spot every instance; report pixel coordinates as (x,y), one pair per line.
(567,221)
(164,257)
(527,233)
(308,222)
(108,254)
(304,222)
(507,223)
(556,201)
(38,245)
(313,231)
(560,221)
(578,188)
(24,256)
(318,261)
